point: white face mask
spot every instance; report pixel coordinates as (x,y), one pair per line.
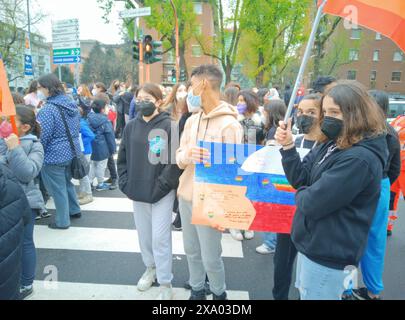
(94,92)
(181,95)
(40,95)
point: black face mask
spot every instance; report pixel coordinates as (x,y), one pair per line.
(305,123)
(146,108)
(332,127)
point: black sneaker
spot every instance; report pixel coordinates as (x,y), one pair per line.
(223,296)
(76,216)
(198,295)
(45,214)
(362,294)
(348,297)
(25,292)
(113,185)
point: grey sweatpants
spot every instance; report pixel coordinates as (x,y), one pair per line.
(202,245)
(154,225)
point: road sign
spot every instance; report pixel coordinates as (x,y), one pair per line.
(28,65)
(67,52)
(135,13)
(67,60)
(65,41)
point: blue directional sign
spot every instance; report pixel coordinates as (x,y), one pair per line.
(28,71)
(66,59)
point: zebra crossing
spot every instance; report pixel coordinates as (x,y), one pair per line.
(99,257)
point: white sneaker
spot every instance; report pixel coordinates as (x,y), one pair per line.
(236,234)
(165,293)
(249,235)
(88,198)
(263,249)
(147,279)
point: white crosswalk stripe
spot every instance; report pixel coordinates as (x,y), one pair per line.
(83,241)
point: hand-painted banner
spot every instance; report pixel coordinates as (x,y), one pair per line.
(243,187)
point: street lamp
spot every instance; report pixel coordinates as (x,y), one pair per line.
(177,40)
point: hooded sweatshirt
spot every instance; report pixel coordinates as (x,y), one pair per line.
(337,195)
(54,137)
(220,125)
(146,172)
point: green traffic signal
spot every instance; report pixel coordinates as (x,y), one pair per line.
(135,50)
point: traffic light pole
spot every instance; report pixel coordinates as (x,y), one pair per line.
(176,20)
(140,53)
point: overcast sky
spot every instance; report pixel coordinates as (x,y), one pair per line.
(92,26)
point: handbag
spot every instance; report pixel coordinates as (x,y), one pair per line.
(79,167)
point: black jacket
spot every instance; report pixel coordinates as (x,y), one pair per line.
(146,163)
(14,210)
(393,167)
(336,199)
(123,102)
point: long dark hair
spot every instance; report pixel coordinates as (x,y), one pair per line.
(27,116)
(33,87)
(276,110)
(251,99)
(362,117)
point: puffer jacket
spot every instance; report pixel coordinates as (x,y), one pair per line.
(25,162)
(54,137)
(14,210)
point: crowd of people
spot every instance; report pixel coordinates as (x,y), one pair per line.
(343,198)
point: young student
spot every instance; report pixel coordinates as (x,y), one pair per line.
(338,187)
(87,136)
(147,177)
(25,158)
(308,122)
(215,122)
(103,146)
(372,263)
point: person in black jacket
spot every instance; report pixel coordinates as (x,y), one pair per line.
(148,177)
(372,263)
(338,188)
(15,212)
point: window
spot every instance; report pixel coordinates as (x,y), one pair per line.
(354,55)
(396,76)
(376,55)
(378,36)
(351,75)
(356,34)
(196,51)
(373,75)
(198,8)
(398,56)
(170,56)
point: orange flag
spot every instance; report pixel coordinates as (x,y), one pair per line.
(7,107)
(384,16)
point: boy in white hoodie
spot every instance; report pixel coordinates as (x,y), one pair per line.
(216,121)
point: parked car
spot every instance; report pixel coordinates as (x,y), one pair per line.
(396,108)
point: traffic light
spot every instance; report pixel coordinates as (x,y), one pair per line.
(147,44)
(174,75)
(135,50)
(152,52)
(183,76)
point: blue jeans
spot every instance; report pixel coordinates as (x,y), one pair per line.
(270,239)
(316,282)
(372,263)
(57,180)
(29,256)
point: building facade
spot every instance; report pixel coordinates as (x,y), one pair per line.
(375,60)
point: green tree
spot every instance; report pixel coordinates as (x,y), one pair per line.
(223,45)
(273,32)
(66,74)
(94,65)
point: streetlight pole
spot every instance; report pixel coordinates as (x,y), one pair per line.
(29,35)
(176,20)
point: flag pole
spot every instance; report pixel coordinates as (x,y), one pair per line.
(305,60)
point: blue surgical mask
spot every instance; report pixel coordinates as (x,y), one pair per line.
(41,96)
(193,102)
(242,107)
